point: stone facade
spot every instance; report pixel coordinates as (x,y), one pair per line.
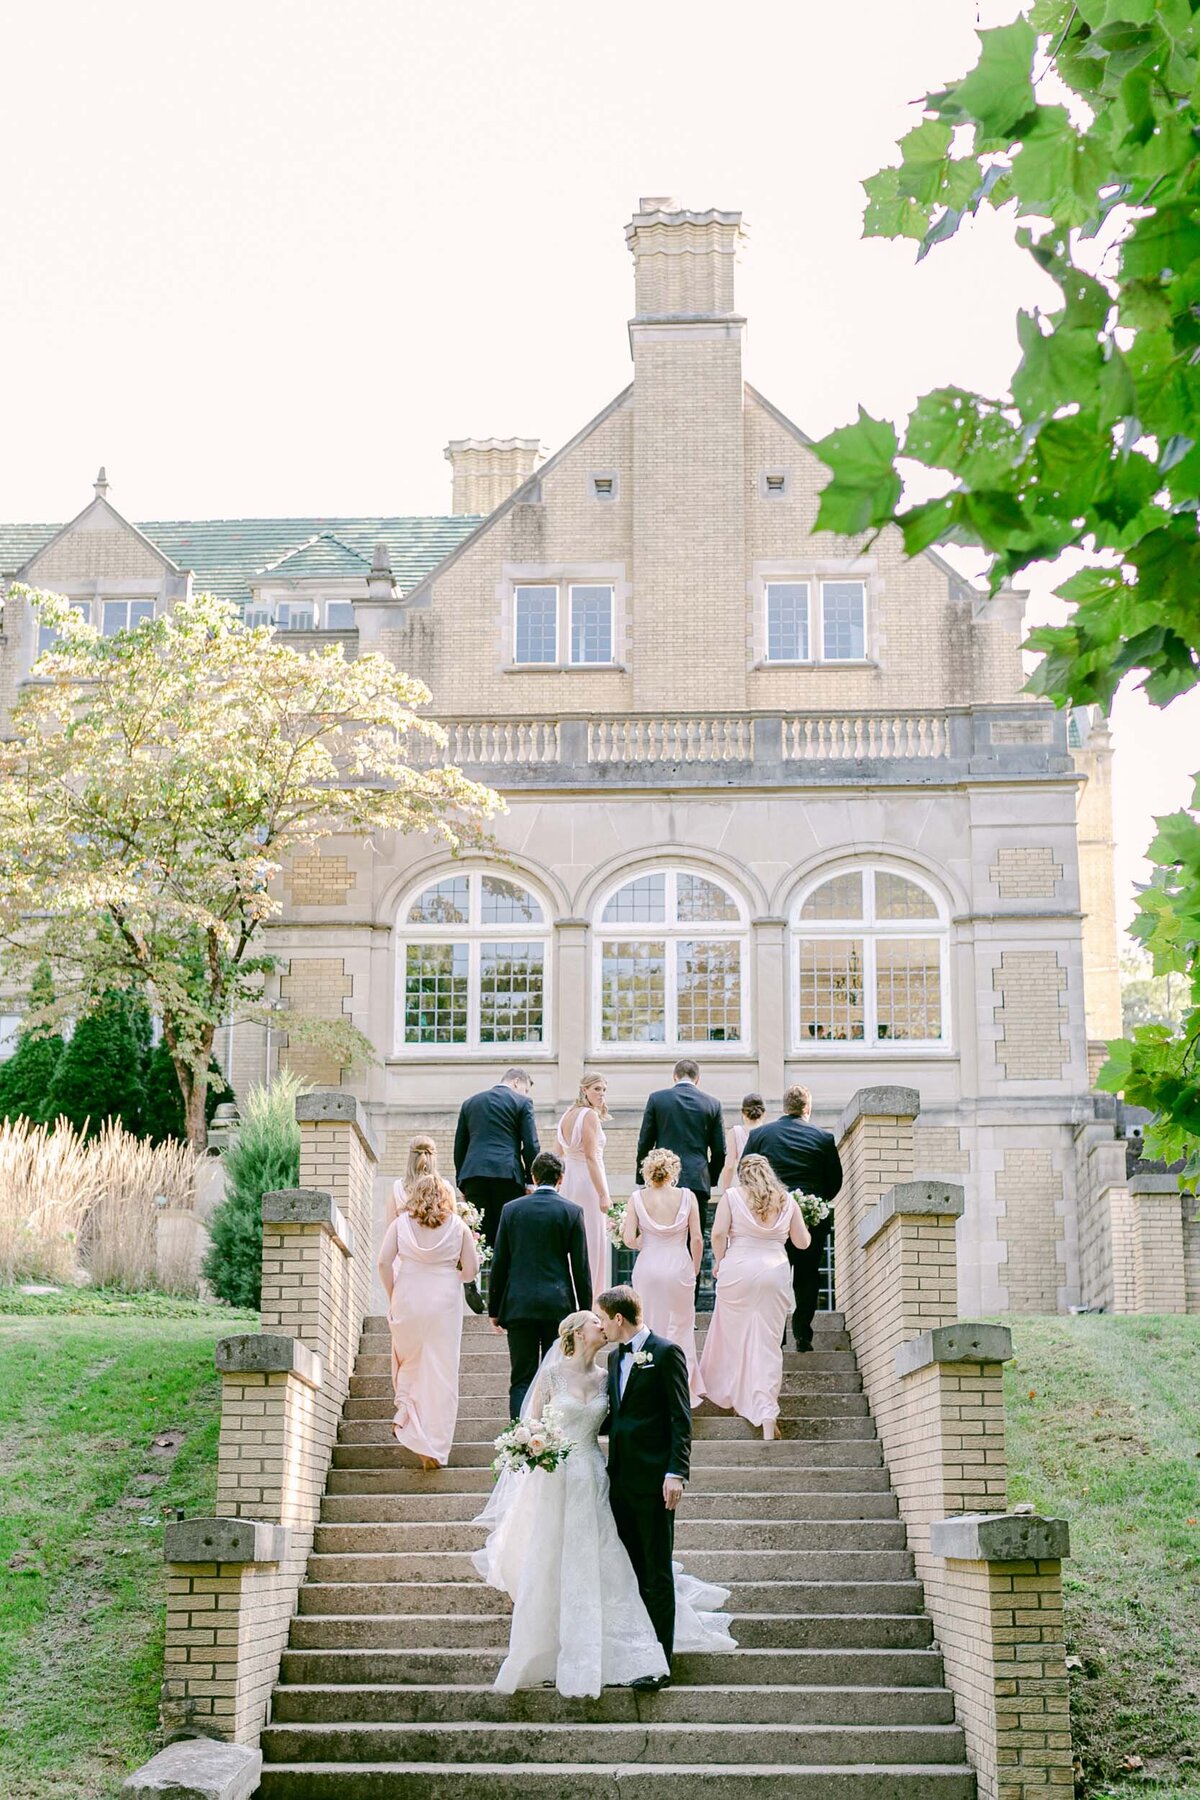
(883,862)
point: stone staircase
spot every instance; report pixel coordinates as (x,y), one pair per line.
(835,1694)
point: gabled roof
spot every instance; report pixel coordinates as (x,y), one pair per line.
(102,504)
(226,554)
(322,555)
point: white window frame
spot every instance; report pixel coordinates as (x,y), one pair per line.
(474,934)
(564,578)
(40,649)
(870,930)
(818,575)
(128,601)
(671,933)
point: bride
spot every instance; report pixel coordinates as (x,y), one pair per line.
(578,1620)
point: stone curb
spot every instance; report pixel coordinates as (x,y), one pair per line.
(1000,1537)
(268,1353)
(308,1206)
(330,1104)
(1151,1182)
(916,1199)
(197,1769)
(957,1343)
(878,1102)
(224,1541)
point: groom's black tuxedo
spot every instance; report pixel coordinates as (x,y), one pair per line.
(649,1438)
(539,1274)
(688,1121)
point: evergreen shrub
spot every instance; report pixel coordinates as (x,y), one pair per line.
(264,1154)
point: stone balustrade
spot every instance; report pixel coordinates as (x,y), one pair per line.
(875,735)
(992,1580)
(670,740)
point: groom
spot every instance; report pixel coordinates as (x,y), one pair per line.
(649,1454)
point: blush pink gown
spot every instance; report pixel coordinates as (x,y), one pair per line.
(664,1279)
(742,1363)
(577,1185)
(425,1318)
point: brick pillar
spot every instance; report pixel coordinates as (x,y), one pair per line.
(1001,1632)
(1159,1270)
(935,1388)
(233,1579)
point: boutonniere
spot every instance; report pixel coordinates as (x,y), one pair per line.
(642,1359)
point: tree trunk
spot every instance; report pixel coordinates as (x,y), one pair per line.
(195,1109)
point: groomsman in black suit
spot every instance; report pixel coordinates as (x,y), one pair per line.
(495,1143)
(649,1455)
(540,1273)
(683,1119)
(803,1156)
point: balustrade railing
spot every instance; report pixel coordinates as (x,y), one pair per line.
(670,740)
(879,735)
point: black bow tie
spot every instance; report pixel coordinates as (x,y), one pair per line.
(625,1350)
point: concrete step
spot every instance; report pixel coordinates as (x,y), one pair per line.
(464,1741)
(726,1425)
(492,1407)
(857,1614)
(368,1384)
(389,1509)
(706,1565)
(324,1702)
(690,1534)
(490,1631)
(478,1325)
(867,1667)
(641,1781)
(748,1450)
(707,1480)
(480,1361)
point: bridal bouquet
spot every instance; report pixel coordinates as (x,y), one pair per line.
(531,1444)
(813,1209)
(472,1218)
(614,1221)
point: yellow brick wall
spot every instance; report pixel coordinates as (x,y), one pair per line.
(938,1150)
(1029,872)
(84,555)
(320,986)
(1032,1015)
(1191,1252)
(1029,1189)
(318,879)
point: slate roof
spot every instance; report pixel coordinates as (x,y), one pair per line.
(226,553)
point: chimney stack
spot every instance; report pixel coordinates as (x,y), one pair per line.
(488,470)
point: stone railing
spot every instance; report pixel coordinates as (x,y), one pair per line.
(992,1579)
(670,740)
(233,1579)
(876,736)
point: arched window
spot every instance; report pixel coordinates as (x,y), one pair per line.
(869,962)
(670,959)
(472,963)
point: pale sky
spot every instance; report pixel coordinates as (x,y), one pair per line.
(268,257)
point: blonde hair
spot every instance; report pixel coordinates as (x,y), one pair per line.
(430,1200)
(568,1328)
(588,1079)
(797,1102)
(661,1168)
(765,1193)
(422,1160)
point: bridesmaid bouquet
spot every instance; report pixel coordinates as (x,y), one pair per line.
(531,1444)
(813,1210)
(614,1221)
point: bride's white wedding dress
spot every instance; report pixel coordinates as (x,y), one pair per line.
(578,1619)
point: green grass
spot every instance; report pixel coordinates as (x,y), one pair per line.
(83,1395)
(1104,1431)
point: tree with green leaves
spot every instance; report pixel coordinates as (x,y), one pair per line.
(155,782)
(101,1072)
(27,1075)
(1081,122)
(162,1102)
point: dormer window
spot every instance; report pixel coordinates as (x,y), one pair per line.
(339,615)
(296,615)
(123,615)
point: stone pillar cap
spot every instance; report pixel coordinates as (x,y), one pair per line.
(334,1103)
(878,1102)
(912,1199)
(1000,1537)
(197,1769)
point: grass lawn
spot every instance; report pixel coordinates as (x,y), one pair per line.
(1104,1430)
(88,1383)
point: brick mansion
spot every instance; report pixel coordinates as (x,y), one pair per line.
(776,799)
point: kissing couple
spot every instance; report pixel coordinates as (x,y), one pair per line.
(584,1550)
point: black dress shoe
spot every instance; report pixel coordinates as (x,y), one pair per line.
(803,1344)
(650,1684)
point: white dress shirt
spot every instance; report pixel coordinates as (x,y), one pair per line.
(625,1367)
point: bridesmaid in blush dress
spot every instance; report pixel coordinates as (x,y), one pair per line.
(581,1143)
(754,1111)
(426,1256)
(662,1223)
(742,1364)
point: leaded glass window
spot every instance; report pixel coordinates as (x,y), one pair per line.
(473,962)
(869,962)
(662,981)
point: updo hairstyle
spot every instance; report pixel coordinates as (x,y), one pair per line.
(661,1168)
(568,1328)
(430,1200)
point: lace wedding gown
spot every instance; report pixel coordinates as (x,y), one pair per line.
(578,1619)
